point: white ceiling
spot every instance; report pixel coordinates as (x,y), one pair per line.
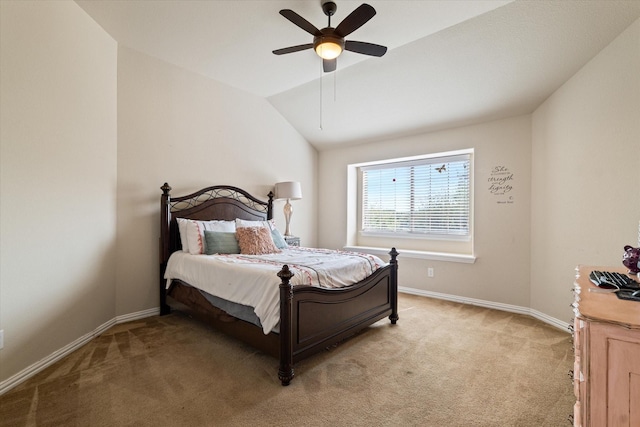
(449,63)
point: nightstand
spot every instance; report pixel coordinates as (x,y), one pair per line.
(292,240)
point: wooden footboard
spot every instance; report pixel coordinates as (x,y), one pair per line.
(312,319)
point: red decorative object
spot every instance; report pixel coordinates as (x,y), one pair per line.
(631,259)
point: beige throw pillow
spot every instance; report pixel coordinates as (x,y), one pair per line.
(255,241)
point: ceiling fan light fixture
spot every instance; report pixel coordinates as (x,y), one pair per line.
(328,49)
(329,42)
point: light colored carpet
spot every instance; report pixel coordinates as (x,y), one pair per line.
(443,364)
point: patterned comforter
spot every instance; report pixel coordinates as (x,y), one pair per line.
(252,279)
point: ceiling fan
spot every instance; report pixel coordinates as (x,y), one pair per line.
(329,42)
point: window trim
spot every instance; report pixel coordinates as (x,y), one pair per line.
(410,241)
(406,253)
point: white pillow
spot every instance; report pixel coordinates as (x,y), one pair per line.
(271,224)
(194,232)
(182,228)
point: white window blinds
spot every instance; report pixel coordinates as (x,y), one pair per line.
(428,196)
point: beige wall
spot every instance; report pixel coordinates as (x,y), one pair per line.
(190,131)
(58,179)
(586,170)
(501,244)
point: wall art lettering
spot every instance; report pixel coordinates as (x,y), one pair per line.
(501,184)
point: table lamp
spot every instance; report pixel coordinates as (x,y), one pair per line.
(288,190)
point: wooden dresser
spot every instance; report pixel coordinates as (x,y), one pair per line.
(606,372)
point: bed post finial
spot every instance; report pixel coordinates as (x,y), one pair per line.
(394,286)
(166,188)
(285,371)
(270,205)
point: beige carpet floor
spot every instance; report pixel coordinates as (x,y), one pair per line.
(443,364)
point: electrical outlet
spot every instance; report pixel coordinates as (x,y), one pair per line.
(430,271)
(1,339)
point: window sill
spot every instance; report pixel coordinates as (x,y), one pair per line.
(434,256)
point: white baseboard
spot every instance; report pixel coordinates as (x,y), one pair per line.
(138,315)
(489,304)
(30,371)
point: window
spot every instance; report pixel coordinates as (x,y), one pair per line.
(427,197)
(422,205)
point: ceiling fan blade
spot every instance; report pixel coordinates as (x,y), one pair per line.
(329,65)
(355,20)
(292,49)
(300,22)
(365,48)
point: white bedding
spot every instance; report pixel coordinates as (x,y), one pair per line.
(252,279)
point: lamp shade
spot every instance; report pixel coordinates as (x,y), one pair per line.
(288,190)
(328,50)
(327,44)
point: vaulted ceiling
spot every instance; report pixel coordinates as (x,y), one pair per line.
(449,63)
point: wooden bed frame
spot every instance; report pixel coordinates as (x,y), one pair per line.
(311,319)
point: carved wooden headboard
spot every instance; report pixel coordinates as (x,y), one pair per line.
(222,202)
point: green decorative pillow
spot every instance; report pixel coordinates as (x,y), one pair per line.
(220,242)
(278,239)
